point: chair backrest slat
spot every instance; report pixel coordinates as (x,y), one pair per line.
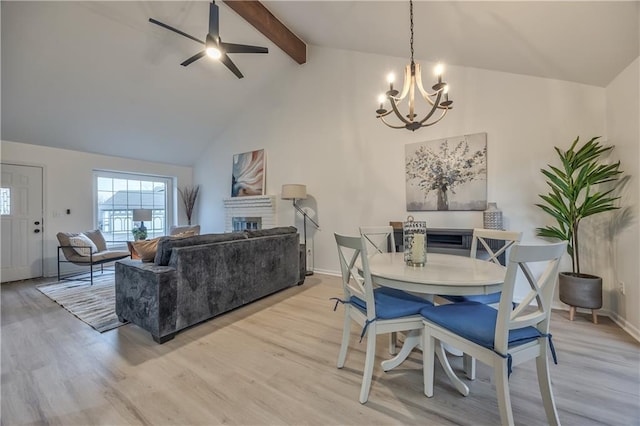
(378,239)
(352,252)
(481,235)
(541,290)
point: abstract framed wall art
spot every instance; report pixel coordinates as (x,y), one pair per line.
(447,174)
(248,175)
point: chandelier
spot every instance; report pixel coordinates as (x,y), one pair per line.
(438,100)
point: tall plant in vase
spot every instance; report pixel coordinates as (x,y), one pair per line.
(574,196)
(189,194)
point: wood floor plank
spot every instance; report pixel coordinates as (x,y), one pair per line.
(273,362)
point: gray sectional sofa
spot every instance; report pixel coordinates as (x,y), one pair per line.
(196,278)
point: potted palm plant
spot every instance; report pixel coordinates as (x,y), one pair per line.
(574,195)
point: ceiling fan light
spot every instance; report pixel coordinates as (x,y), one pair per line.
(213,52)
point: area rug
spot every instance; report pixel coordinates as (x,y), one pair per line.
(93,304)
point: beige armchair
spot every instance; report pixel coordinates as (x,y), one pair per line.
(86,249)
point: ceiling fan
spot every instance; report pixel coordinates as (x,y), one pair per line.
(214,46)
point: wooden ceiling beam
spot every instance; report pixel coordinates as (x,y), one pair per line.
(259,16)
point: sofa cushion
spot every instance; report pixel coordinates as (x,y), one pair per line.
(271,231)
(167,244)
(82,245)
(97,238)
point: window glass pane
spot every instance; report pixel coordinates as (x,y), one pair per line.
(134,185)
(118,194)
(5,201)
(120,184)
(105,184)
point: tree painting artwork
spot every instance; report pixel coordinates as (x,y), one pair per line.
(447,174)
(248,174)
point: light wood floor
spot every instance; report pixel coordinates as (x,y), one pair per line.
(273,362)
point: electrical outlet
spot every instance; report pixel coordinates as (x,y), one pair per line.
(621,287)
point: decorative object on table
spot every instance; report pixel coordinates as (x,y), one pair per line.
(140,215)
(189,195)
(438,100)
(299,192)
(248,174)
(214,47)
(94,304)
(415,241)
(447,174)
(575,195)
(492,217)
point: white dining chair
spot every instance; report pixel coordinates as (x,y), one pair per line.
(379,311)
(481,237)
(507,336)
(380,239)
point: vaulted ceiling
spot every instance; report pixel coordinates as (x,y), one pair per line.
(98,77)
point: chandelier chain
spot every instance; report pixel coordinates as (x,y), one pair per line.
(411,26)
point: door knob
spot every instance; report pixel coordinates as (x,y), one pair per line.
(36,231)
(37,222)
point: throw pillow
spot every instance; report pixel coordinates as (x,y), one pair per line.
(82,245)
(146,249)
(184,234)
(97,238)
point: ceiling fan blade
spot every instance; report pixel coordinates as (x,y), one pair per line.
(214,20)
(194,58)
(229,63)
(242,48)
(163,25)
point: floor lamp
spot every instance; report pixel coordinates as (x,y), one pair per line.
(299,192)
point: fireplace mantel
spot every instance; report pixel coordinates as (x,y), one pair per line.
(263,206)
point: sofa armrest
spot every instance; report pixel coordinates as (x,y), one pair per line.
(146,296)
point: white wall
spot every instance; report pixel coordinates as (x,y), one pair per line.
(68,184)
(623,115)
(318,126)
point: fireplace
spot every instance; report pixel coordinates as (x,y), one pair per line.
(253,212)
(243,223)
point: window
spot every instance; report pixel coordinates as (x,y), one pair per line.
(5,201)
(118,194)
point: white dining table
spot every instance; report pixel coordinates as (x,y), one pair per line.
(441,274)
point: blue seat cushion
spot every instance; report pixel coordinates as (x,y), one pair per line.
(392,303)
(476,322)
(487,299)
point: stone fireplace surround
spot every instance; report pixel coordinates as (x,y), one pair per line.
(262,206)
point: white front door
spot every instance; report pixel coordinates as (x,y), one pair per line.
(21,213)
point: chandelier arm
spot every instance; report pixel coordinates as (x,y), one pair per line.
(434,108)
(406,85)
(433,122)
(398,114)
(426,96)
(390,125)
(384,114)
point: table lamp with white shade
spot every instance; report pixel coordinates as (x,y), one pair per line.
(295,192)
(142,215)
